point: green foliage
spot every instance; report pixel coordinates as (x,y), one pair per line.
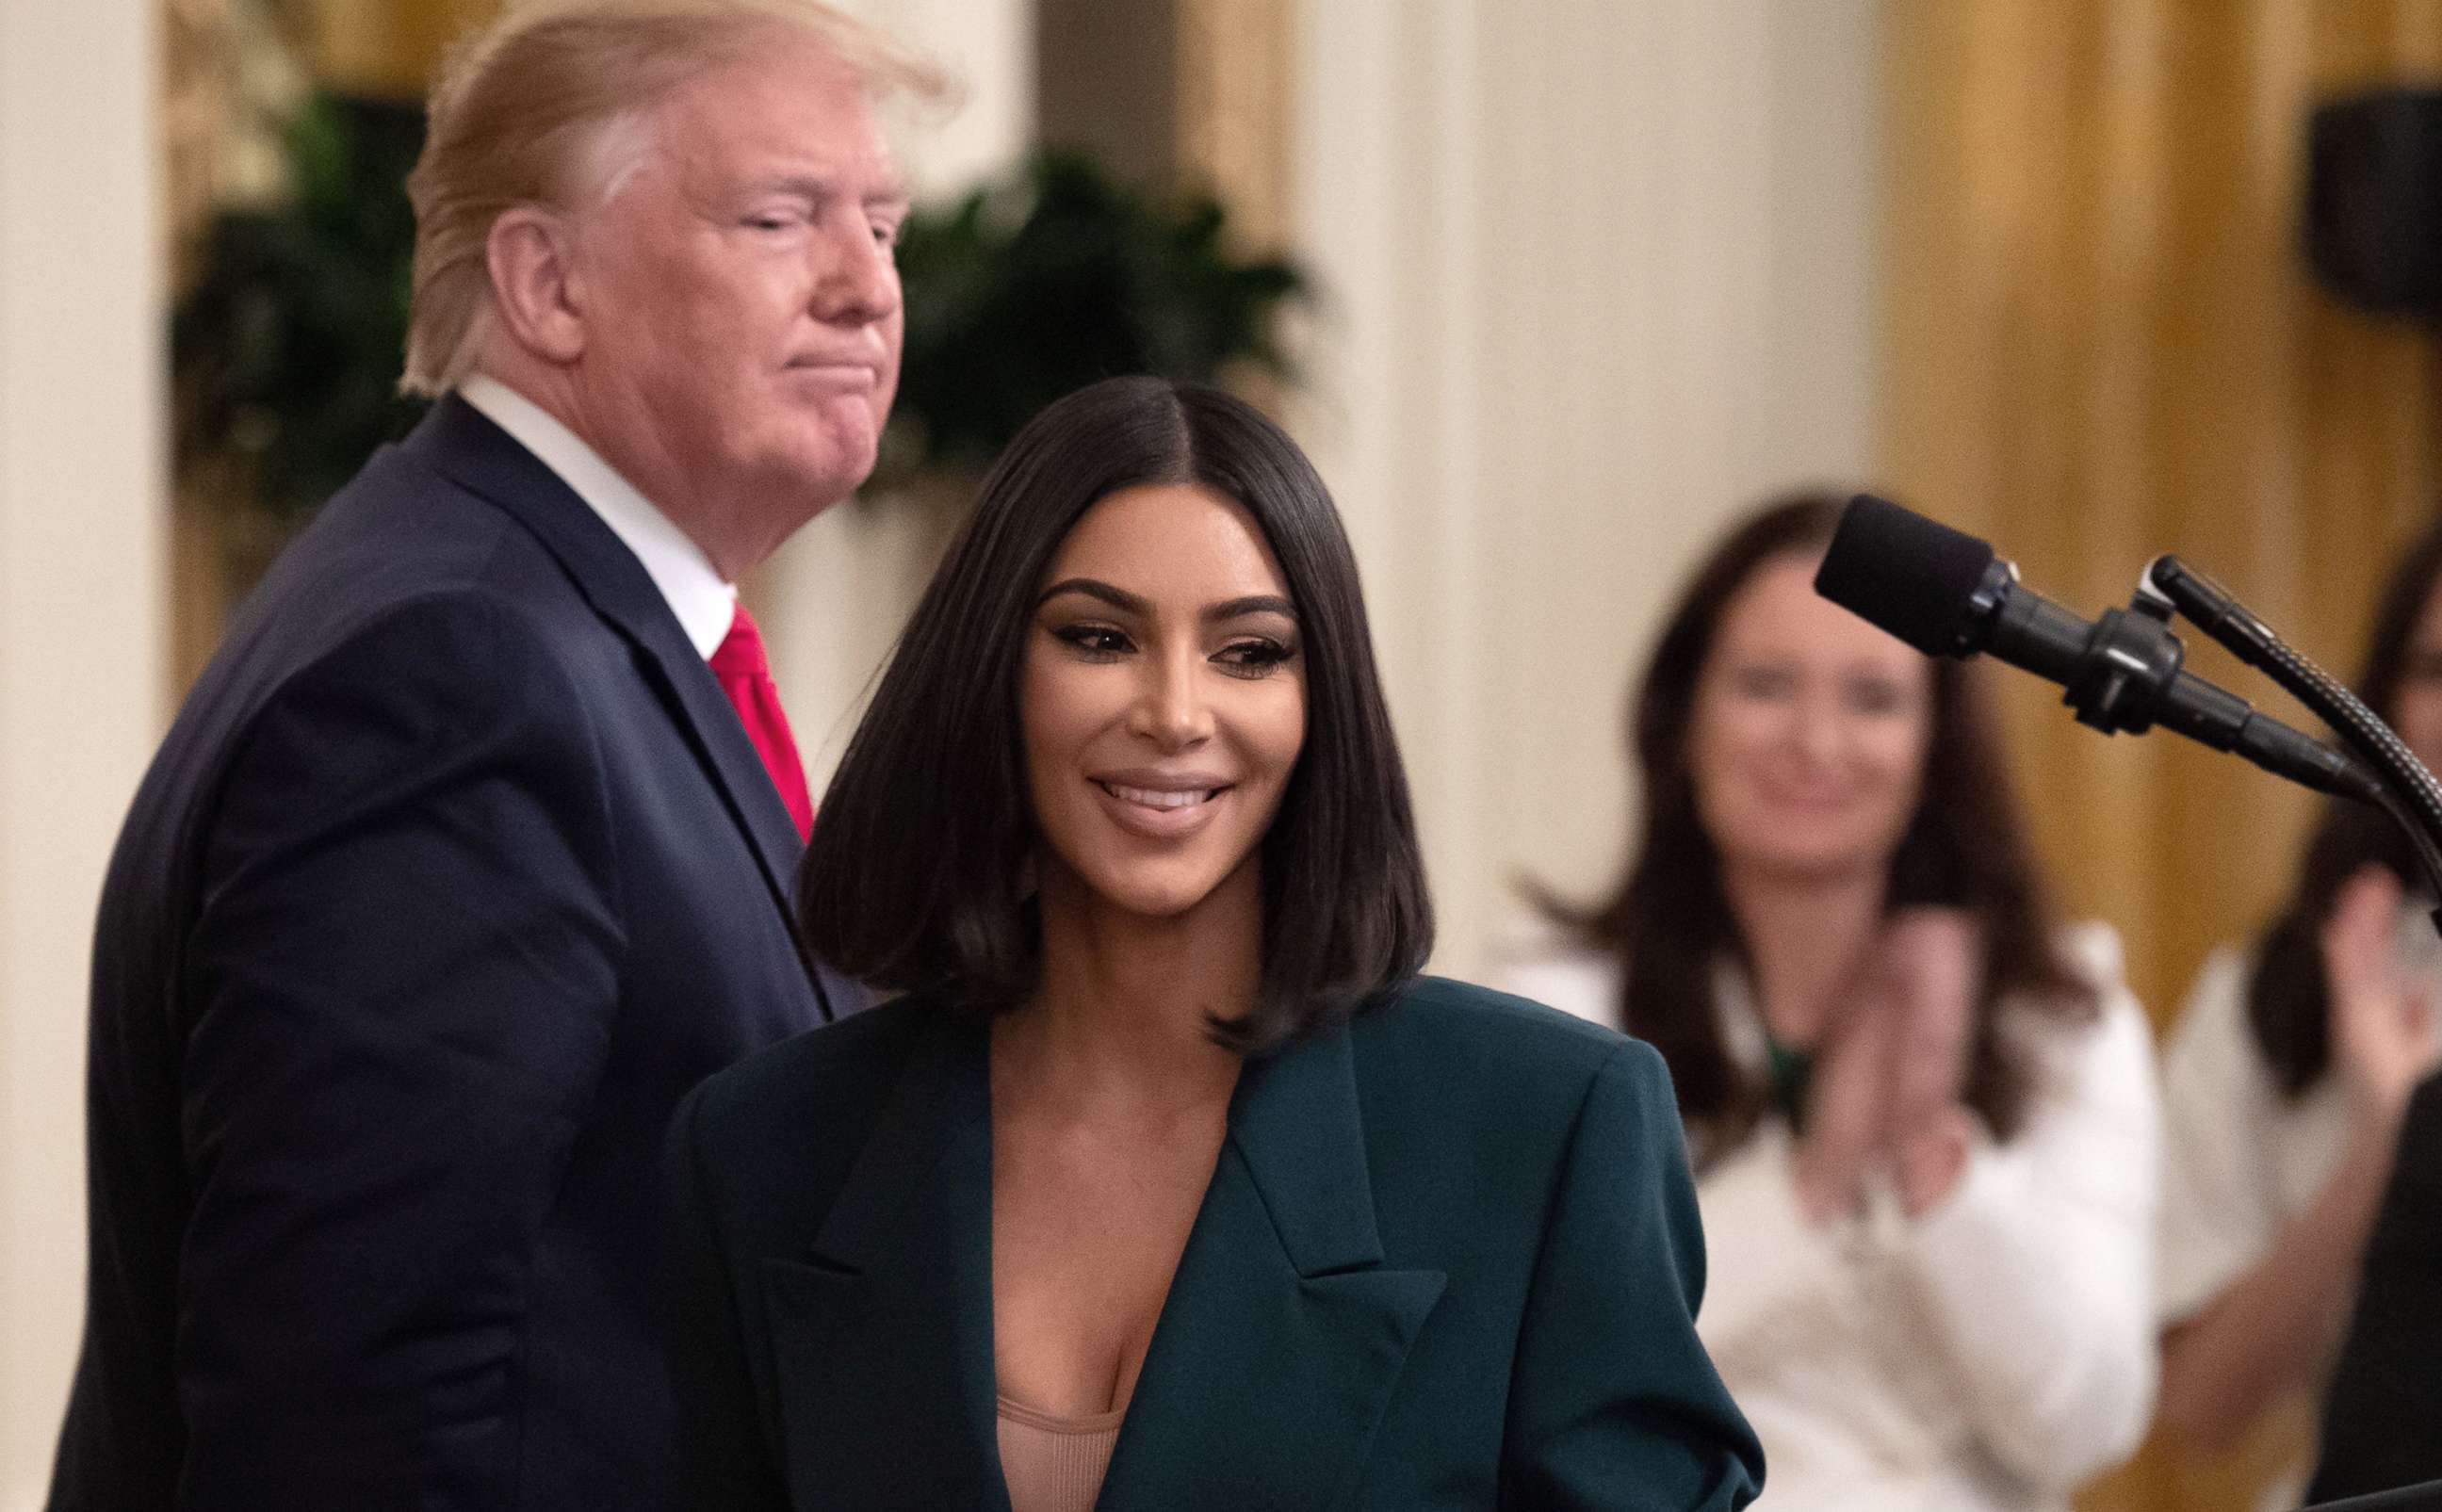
(285,352)
(1054,278)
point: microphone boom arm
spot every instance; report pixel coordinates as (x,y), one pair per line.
(2409,794)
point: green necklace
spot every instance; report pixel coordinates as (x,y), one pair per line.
(1788,1069)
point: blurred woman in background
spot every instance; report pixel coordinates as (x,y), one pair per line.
(2286,1078)
(1924,1120)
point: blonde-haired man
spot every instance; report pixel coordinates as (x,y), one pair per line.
(472,850)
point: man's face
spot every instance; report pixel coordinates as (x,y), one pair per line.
(741,304)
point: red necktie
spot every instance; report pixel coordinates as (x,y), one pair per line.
(745,674)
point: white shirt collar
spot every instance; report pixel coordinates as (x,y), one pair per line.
(1742,1027)
(703,604)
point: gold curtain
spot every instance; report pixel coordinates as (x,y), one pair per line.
(2101,341)
(1235,85)
(390,48)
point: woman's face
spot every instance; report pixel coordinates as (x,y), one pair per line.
(2417,716)
(1808,737)
(1161,699)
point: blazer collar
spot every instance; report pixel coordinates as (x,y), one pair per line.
(1272,1360)
(462,445)
(1295,1121)
(1284,1332)
(882,1342)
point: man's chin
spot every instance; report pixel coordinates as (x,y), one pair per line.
(835,464)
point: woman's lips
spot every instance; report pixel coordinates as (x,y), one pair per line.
(1160,813)
(1808,800)
(1160,797)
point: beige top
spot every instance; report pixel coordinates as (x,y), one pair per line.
(1054,1463)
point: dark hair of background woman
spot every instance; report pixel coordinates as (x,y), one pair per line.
(914,880)
(1670,920)
(2288,1002)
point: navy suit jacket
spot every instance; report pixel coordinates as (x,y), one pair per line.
(454,873)
(1449,1258)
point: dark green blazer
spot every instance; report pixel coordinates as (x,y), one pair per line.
(1450,1258)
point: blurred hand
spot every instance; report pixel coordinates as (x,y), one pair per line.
(1933,960)
(1845,1101)
(2383,1025)
(1931,1156)
(1891,1069)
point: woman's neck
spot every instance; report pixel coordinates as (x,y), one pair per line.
(1805,940)
(1120,1026)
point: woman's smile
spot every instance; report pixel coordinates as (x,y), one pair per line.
(1163,811)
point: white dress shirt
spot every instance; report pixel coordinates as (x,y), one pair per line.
(694,590)
(1984,1358)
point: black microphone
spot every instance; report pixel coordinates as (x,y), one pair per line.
(1945,593)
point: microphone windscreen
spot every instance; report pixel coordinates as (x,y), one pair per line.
(1913,577)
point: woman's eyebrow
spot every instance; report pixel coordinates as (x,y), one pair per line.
(1230,609)
(1119,598)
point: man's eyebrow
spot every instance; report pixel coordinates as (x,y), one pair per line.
(806,186)
(816,186)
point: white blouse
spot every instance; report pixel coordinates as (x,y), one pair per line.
(2242,1158)
(1985,1358)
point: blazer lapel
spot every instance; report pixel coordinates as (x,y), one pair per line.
(458,441)
(882,1337)
(1283,1334)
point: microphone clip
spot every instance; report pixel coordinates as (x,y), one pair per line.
(2126,672)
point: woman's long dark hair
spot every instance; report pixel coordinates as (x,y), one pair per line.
(2288,1002)
(911,881)
(1670,920)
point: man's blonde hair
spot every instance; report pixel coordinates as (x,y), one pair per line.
(548,106)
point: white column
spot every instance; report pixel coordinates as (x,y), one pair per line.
(82,639)
(833,599)
(1597,276)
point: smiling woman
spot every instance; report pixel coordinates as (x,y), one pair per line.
(1170,1184)
(1162,725)
(1922,1115)
(1115,570)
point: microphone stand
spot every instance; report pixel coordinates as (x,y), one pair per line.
(2409,792)
(2120,680)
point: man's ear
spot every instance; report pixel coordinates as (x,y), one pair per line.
(529,254)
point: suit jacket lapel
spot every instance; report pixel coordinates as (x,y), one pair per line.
(883,1334)
(1283,1334)
(458,441)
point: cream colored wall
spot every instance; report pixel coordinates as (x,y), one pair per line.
(1599,276)
(82,644)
